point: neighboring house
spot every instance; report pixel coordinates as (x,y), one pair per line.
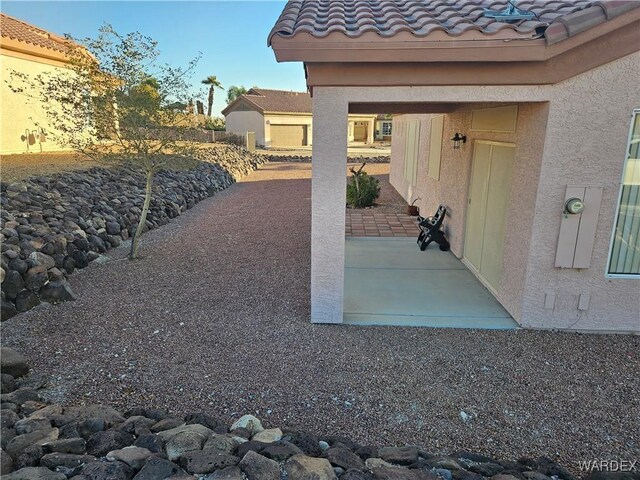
(283,119)
(384,128)
(543,187)
(31,51)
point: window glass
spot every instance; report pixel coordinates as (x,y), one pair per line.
(625,246)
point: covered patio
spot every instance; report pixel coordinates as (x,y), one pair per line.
(389,281)
(511,90)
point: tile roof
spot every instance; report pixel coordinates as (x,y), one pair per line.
(555,19)
(24,32)
(278,100)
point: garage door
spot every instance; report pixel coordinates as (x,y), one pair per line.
(288,135)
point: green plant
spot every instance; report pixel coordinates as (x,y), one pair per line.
(363,190)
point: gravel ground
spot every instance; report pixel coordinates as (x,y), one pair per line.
(215,317)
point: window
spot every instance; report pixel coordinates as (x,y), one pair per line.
(386,128)
(624,259)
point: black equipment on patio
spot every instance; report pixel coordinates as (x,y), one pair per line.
(431,231)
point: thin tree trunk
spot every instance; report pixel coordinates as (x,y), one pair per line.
(210,101)
(143,216)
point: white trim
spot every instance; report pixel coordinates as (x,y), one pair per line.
(636,111)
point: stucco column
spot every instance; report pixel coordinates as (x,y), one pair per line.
(329,186)
(371,131)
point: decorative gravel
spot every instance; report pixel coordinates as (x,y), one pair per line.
(215,317)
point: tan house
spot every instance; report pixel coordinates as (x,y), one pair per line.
(282,118)
(524,122)
(31,51)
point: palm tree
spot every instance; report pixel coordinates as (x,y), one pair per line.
(234,92)
(213,82)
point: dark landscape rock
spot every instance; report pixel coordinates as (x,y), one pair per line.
(29,457)
(207,461)
(399,455)
(19,443)
(281,451)
(34,473)
(12,363)
(56,292)
(101,443)
(107,471)
(257,467)
(6,463)
(302,467)
(69,460)
(135,457)
(345,458)
(229,473)
(28,425)
(8,384)
(20,396)
(156,467)
(76,446)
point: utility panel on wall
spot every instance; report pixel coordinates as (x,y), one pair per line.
(578,226)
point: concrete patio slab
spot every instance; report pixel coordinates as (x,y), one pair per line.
(389,281)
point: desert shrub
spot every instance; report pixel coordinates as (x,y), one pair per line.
(362,190)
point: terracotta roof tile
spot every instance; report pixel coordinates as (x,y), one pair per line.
(24,32)
(276,101)
(555,19)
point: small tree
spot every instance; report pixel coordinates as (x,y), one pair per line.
(363,190)
(213,83)
(117,105)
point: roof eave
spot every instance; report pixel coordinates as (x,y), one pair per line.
(337,48)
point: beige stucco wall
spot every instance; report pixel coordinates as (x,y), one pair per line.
(452,189)
(585,141)
(287,119)
(585,145)
(246,121)
(22,112)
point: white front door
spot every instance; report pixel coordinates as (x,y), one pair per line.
(488,196)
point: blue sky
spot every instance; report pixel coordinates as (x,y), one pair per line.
(232,35)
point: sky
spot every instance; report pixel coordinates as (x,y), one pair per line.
(232,35)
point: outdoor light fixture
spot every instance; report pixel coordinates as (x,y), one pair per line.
(458,139)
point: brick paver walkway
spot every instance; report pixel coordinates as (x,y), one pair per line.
(370,224)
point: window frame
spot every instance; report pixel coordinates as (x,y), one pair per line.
(386,123)
(635,116)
